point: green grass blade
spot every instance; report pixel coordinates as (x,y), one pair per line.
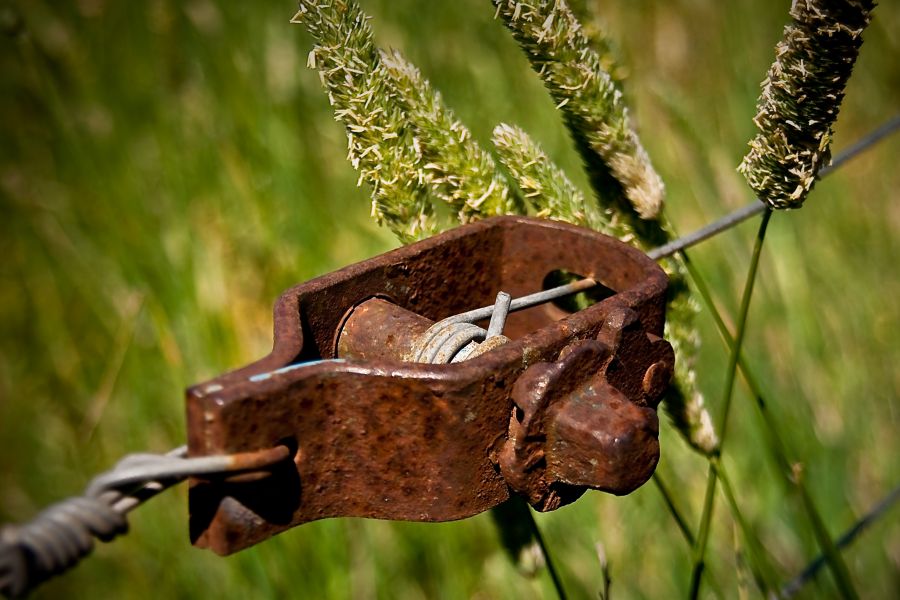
(681,521)
(838,567)
(703,534)
(735,353)
(673,510)
(551,567)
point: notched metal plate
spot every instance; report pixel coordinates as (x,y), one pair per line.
(389,439)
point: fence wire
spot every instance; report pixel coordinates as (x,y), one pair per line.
(63,534)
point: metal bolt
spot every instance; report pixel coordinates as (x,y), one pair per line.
(656,379)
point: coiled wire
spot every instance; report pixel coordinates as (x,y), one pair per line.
(453,340)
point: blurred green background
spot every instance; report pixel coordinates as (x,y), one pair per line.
(168,168)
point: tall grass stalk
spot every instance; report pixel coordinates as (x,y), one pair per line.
(681,522)
(551,566)
(705,519)
(629,191)
(775,443)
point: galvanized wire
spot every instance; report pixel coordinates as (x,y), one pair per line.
(704,233)
(63,534)
(523,302)
(756,207)
(455,338)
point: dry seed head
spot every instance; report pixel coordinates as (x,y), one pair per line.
(573,73)
(801,97)
(459,171)
(380,140)
(544,184)
(555,197)
(685,403)
(595,113)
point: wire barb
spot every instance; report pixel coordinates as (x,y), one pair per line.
(63,534)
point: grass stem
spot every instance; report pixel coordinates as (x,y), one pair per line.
(551,568)
(703,534)
(777,446)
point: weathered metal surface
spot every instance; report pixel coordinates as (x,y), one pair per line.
(572,429)
(378,328)
(375,436)
(256,465)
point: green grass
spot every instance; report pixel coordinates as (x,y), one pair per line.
(167,168)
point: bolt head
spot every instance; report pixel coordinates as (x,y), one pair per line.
(656,379)
(597,438)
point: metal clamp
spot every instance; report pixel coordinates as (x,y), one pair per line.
(567,403)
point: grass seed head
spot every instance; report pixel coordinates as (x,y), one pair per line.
(459,171)
(380,142)
(573,72)
(801,97)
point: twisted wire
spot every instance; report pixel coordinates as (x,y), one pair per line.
(63,534)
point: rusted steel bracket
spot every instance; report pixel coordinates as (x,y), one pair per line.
(567,404)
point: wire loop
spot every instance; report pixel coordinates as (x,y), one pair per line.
(456,339)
